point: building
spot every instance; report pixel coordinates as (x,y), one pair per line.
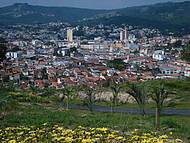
(168,69)
(159,55)
(70,35)
(124,35)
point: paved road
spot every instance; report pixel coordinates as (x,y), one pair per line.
(180,112)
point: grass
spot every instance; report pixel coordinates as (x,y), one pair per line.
(27,114)
(27,110)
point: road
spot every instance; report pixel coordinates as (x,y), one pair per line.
(179,112)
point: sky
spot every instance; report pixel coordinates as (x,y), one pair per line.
(91,4)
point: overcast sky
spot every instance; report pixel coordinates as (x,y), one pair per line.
(92,4)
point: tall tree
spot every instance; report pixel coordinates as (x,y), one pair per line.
(159,95)
(115,88)
(6,101)
(90,98)
(138,92)
(68,93)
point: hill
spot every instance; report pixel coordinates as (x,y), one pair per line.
(29,14)
(164,16)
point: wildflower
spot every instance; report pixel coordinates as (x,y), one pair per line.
(12,141)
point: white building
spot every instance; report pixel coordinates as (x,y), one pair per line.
(70,35)
(124,35)
(159,55)
(187,73)
(187,70)
(131,38)
(12,55)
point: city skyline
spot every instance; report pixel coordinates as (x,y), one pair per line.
(91,4)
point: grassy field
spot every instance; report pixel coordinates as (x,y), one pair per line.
(26,114)
(26,109)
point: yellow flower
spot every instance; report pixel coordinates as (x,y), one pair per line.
(12,141)
(80,135)
(102,129)
(68,140)
(86,141)
(179,141)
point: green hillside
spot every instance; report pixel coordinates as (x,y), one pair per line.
(164,16)
(24,13)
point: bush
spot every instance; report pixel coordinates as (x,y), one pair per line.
(170,124)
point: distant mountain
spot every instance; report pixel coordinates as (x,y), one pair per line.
(24,13)
(172,16)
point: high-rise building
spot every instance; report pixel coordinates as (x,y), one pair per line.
(121,35)
(70,35)
(124,35)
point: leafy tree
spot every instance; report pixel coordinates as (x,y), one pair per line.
(3,50)
(44,73)
(185,53)
(117,64)
(159,95)
(6,101)
(138,92)
(68,93)
(90,96)
(115,88)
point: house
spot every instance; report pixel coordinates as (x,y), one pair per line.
(169,70)
(12,55)
(187,73)
(39,83)
(168,76)
(64,51)
(147,76)
(159,55)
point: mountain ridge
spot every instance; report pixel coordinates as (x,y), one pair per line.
(170,15)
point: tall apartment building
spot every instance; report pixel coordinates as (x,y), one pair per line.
(70,35)
(124,35)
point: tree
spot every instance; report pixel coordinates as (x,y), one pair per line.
(185,53)
(159,95)
(139,94)
(68,93)
(6,101)
(3,50)
(44,73)
(90,98)
(117,64)
(115,88)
